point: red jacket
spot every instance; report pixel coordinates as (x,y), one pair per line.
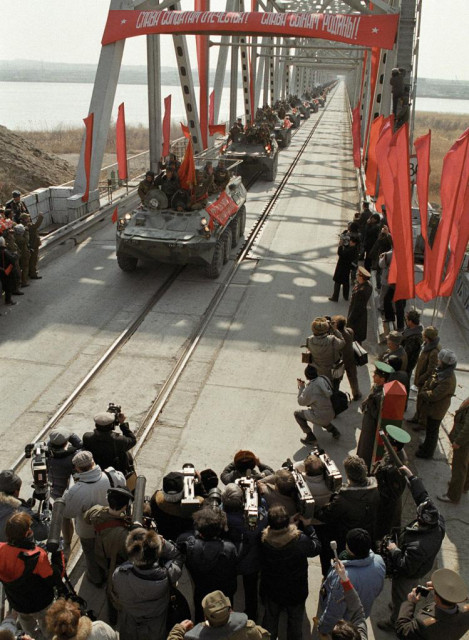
(28,577)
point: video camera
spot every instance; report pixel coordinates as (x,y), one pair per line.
(189,501)
(116,410)
(251,499)
(304,497)
(332,475)
(38,452)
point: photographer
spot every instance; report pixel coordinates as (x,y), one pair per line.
(246,539)
(211,561)
(316,395)
(10,502)
(28,577)
(62,447)
(111,449)
(446,617)
(279,490)
(325,346)
(65,622)
(348,257)
(243,461)
(417,546)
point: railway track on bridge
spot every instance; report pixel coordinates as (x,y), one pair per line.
(190,343)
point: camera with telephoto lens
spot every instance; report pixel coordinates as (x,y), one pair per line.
(251,499)
(305,499)
(422,591)
(344,238)
(189,501)
(38,452)
(116,410)
(391,569)
(332,475)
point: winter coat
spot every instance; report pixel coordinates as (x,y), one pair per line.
(367,576)
(284,563)
(372,230)
(268,489)
(325,351)
(111,534)
(384,262)
(357,318)
(110,449)
(230,473)
(432,622)
(435,396)
(347,352)
(9,505)
(460,431)
(316,395)
(351,507)
(171,518)
(426,363)
(90,489)
(143,595)
(60,466)
(382,245)
(412,343)
(238,627)
(211,563)
(319,490)
(28,577)
(418,544)
(246,540)
(371,408)
(97,630)
(348,255)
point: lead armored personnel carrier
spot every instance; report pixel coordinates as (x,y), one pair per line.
(161,233)
(258,150)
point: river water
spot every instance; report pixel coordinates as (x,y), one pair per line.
(52,105)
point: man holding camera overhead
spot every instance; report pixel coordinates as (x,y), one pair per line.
(111,449)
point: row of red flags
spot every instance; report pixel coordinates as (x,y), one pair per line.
(388,178)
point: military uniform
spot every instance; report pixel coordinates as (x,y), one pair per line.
(22,240)
(34,244)
(14,209)
(460,467)
(221,178)
(435,401)
(15,253)
(143,189)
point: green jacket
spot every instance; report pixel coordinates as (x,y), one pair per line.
(426,365)
(436,396)
(460,431)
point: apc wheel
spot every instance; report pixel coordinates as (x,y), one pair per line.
(226,237)
(242,220)
(235,232)
(127,263)
(213,269)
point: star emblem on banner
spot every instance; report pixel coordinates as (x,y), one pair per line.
(375,30)
(123,21)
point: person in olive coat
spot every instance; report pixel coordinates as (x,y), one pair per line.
(459,438)
(34,242)
(348,255)
(357,318)
(426,365)
(7,263)
(436,398)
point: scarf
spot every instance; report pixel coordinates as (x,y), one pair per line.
(412,331)
(446,372)
(428,346)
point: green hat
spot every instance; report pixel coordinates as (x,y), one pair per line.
(397,434)
(384,367)
(449,585)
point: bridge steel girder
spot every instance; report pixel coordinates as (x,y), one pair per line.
(154,100)
(234,80)
(261,71)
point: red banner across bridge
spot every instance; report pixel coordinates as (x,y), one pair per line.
(364,30)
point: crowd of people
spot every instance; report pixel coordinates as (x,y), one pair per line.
(209,180)
(19,247)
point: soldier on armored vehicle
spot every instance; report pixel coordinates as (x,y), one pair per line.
(169,182)
(145,185)
(199,192)
(222,175)
(236,132)
(209,177)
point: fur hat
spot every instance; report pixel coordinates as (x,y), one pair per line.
(394,337)
(320,326)
(143,547)
(447,357)
(244,457)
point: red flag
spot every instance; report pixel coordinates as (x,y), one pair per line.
(401,215)
(121,144)
(166,125)
(217,128)
(422,146)
(364,63)
(222,208)
(375,56)
(114,216)
(87,156)
(386,184)
(371,164)
(211,109)
(454,224)
(185,131)
(356,136)
(186,171)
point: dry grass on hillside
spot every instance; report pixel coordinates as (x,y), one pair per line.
(446,129)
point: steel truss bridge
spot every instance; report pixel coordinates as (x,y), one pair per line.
(272,64)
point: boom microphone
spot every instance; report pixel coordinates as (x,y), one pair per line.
(53,539)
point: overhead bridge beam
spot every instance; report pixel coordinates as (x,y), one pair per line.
(288,46)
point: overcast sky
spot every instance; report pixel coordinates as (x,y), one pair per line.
(71,30)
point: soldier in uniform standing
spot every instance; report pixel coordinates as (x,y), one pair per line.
(22,240)
(34,242)
(221,175)
(145,185)
(459,438)
(15,207)
(446,617)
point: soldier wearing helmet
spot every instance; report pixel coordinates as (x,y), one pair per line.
(15,207)
(145,185)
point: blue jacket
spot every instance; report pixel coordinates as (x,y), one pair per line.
(367,576)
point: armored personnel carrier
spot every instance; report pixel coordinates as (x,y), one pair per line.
(160,233)
(258,150)
(283,133)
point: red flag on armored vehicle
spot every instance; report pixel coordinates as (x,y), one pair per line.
(166,125)
(185,131)
(186,171)
(121,144)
